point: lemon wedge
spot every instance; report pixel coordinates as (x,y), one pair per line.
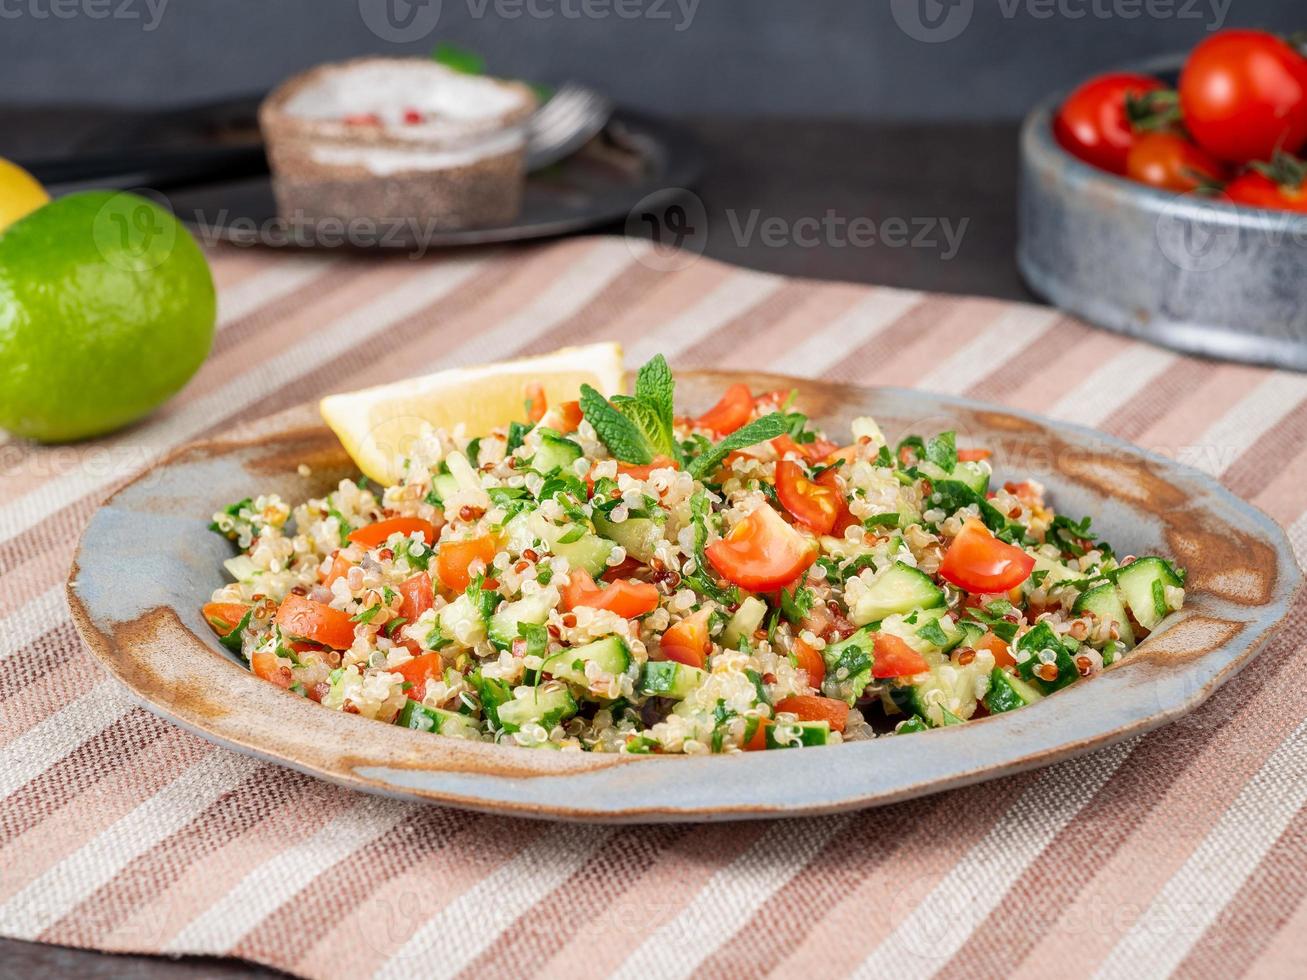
(20,194)
(376,425)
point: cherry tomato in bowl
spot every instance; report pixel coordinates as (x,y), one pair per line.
(1093,124)
(1243,95)
(1258,189)
(1170,162)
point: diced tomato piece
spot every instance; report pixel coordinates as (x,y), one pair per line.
(979,562)
(810,661)
(418,596)
(973,455)
(571,413)
(376,534)
(844,519)
(758,742)
(762,553)
(687,642)
(814,506)
(894,658)
(340,567)
(1002,651)
(628,599)
(730,413)
(536,403)
(269,668)
(454,560)
(812,708)
(418,671)
(814,452)
(224,616)
(315,621)
(633,470)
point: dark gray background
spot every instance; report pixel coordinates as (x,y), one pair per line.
(857,58)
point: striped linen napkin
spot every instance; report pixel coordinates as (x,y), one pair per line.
(1184,849)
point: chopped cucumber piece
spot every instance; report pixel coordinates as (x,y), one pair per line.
(1105,603)
(443,486)
(936,627)
(462,620)
(543,706)
(745,622)
(848,666)
(944,696)
(638,535)
(974,476)
(1008,692)
(796,734)
(611,654)
(1039,648)
(900,589)
(972,633)
(589,551)
(420,718)
(1143,585)
(533,609)
(1054,572)
(668,679)
(556,452)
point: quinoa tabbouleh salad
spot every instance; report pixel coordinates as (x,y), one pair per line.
(607,576)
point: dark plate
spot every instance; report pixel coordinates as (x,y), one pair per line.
(636,157)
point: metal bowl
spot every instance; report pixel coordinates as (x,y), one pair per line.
(1187,272)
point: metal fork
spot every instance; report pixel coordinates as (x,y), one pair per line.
(570,119)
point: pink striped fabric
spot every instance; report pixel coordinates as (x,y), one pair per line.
(1181,851)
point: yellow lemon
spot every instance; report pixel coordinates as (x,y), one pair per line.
(377,425)
(20,193)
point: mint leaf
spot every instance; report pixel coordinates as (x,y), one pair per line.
(759,430)
(942,450)
(656,387)
(623,438)
(648,419)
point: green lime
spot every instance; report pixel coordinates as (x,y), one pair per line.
(107,308)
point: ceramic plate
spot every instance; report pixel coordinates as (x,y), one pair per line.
(146,563)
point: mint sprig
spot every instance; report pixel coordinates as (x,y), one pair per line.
(623,437)
(759,430)
(636,428)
